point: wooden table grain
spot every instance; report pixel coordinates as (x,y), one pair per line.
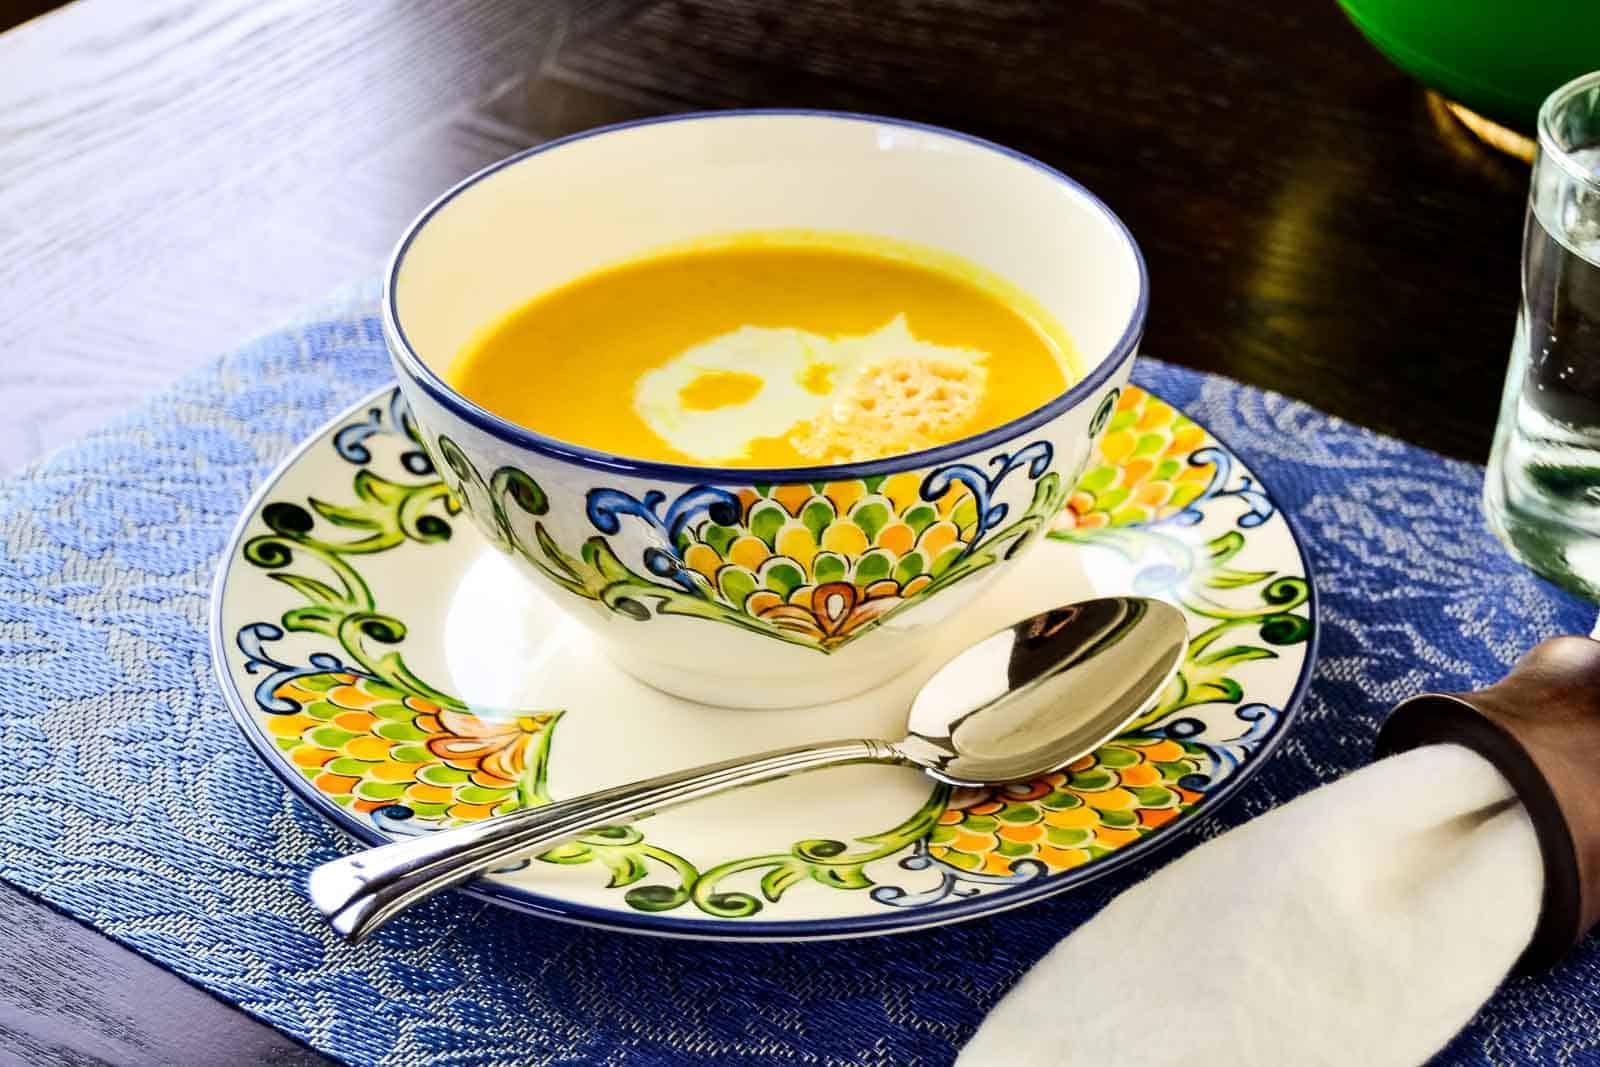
(176,175)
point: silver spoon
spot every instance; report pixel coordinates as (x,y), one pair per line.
(1019,703)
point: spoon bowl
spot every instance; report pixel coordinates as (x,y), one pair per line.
(1035,696)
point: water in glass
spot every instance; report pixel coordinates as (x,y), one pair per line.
(1542,492)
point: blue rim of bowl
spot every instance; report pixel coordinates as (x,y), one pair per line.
(412,367)
(619,921)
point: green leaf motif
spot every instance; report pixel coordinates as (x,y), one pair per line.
(1227,579)
(626,868)
(780,878)
(827,862)
(1191,573)
(310,588)
(1227,657)
(851,877)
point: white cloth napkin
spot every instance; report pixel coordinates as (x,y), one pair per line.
(1363,923)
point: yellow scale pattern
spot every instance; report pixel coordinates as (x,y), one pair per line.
(367,745)
(824,559)
(1063,820)
(1143,471)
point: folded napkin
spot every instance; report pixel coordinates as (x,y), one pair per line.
(133,803)
(1363,923)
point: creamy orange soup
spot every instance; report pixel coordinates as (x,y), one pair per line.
(770,350)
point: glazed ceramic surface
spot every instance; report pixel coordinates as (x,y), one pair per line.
(402,675)
(804,584)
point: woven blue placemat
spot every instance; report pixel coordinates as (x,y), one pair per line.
(131,801)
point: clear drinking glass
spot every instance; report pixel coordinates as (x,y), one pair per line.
(1542,490)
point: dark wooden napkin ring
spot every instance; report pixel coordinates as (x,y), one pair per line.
(1540,726)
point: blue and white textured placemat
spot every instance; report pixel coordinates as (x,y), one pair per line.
(131,801)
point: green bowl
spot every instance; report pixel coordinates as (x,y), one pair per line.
(1500,58)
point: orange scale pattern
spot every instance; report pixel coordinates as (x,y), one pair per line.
(368,745)
(1142,470)
(825,559)
(1071,817)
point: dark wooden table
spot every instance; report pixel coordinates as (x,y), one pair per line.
(175,175)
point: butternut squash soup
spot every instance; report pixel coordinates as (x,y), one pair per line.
(770,350)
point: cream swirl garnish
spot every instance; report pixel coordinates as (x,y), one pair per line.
(836,400)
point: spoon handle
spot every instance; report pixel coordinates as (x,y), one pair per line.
(360,892)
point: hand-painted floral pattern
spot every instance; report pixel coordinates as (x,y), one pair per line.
(824,561)
(370,745)
(375,737)
(1084,811)
(816,565)
(1144,472)
(1156,468)
(819,561)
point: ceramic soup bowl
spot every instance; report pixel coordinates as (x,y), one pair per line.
(744,587)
